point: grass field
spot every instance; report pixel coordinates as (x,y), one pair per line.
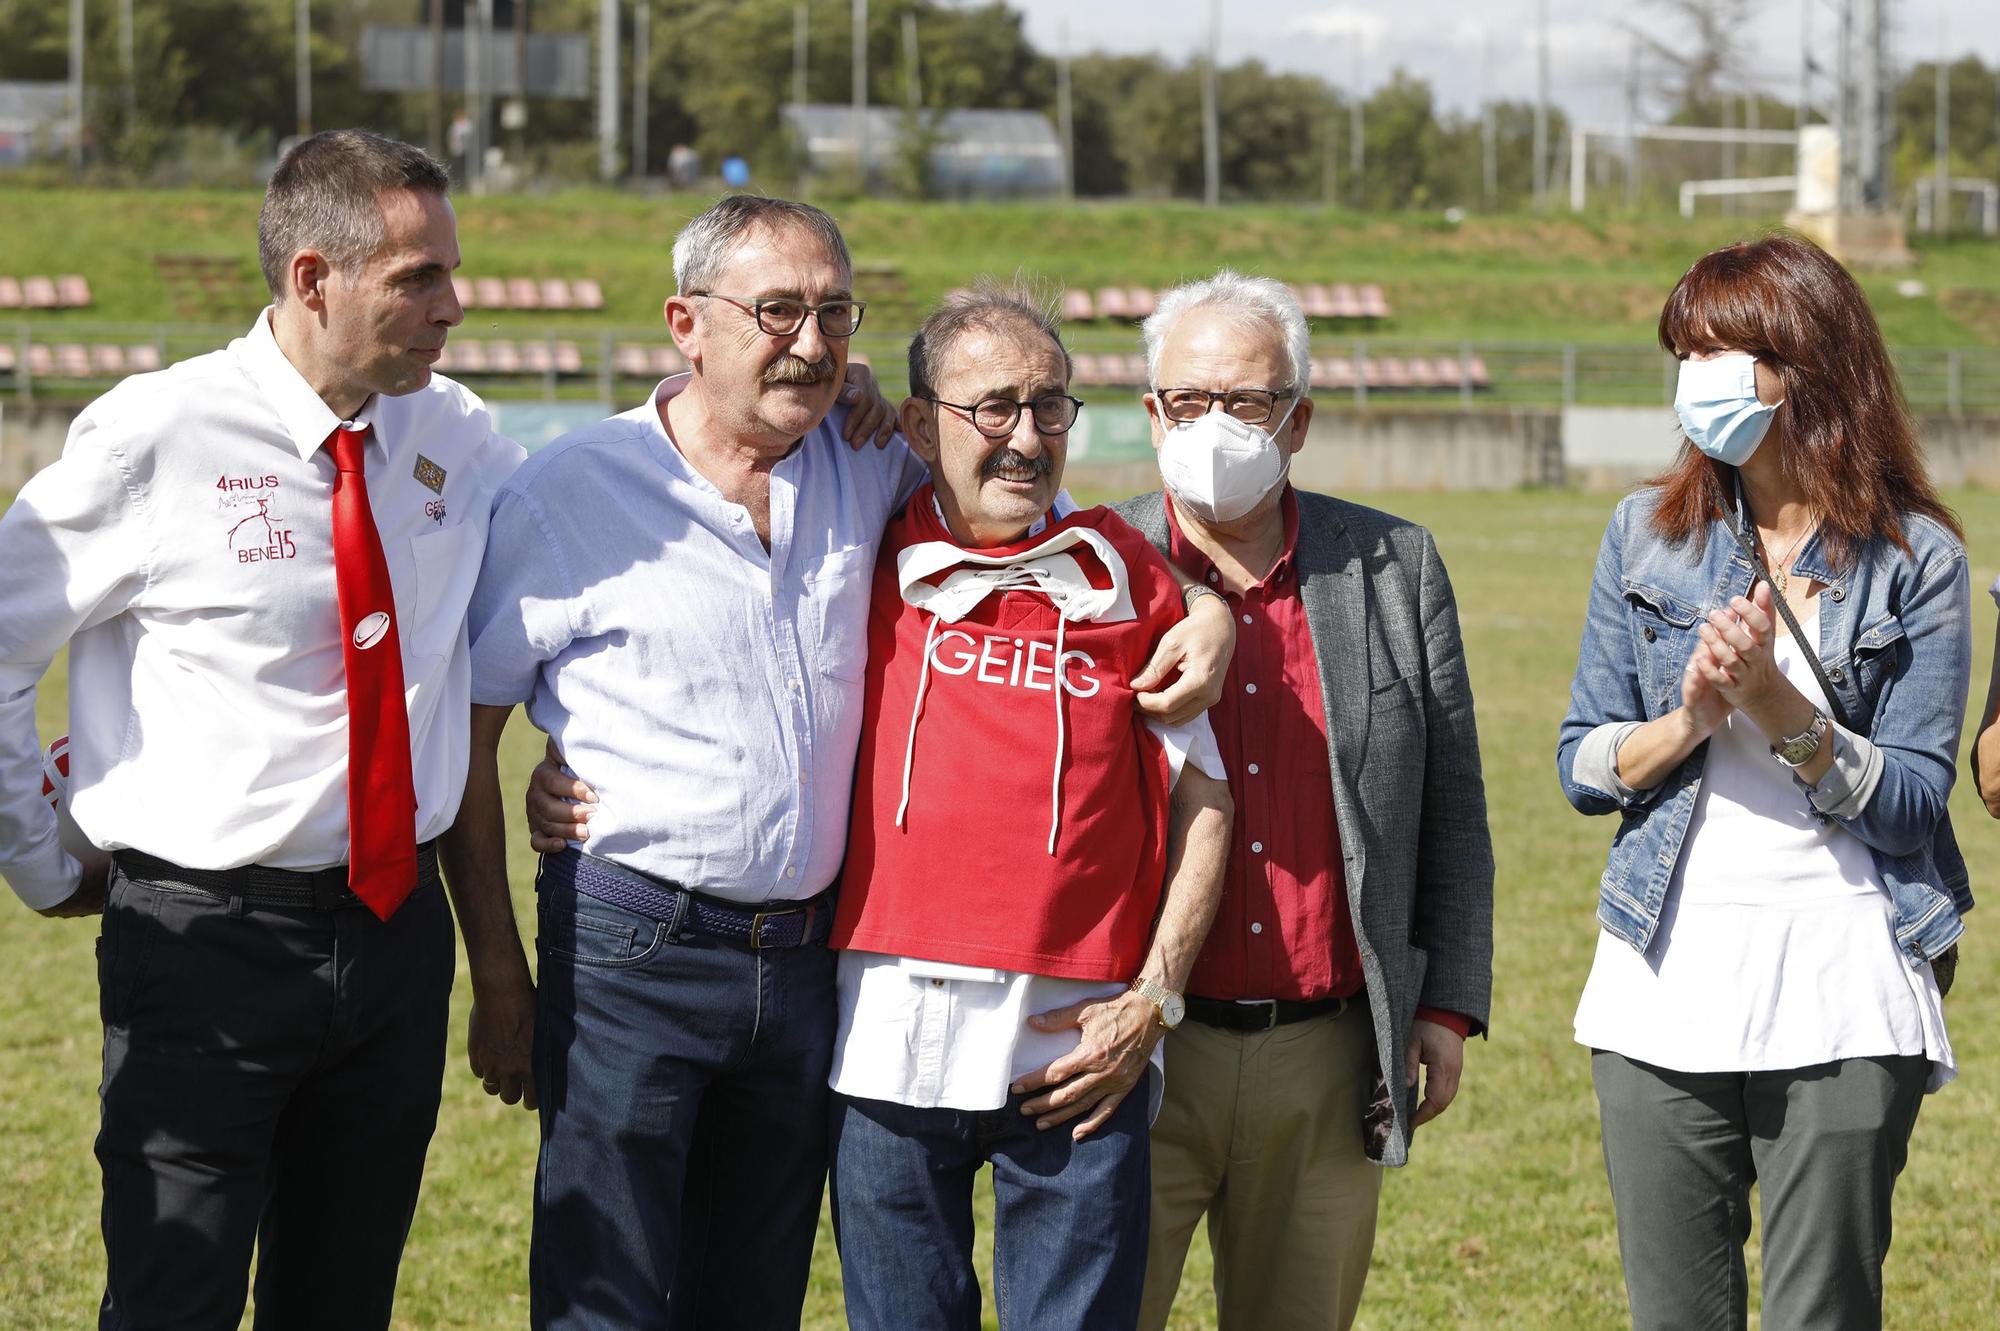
(1561,278)
(1503,1221)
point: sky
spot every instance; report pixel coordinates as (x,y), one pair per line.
(1471,50)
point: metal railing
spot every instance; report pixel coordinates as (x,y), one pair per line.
(597,364)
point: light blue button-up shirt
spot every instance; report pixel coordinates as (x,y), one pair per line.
(708,690)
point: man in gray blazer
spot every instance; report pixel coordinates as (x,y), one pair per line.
(1354,942)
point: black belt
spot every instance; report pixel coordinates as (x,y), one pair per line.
(1260,1014)
(687,912)
(261,885)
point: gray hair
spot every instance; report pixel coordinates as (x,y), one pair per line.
(326,196)
(706,244)
(1254,304)
(986,306)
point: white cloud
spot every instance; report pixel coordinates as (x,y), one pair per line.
(1343,23)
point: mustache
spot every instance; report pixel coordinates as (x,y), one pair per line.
(1009,460)
(790,369)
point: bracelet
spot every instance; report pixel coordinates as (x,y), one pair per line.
(1194,591)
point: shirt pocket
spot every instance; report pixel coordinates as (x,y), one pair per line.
(1662,631)
(1876,650)
(837,591)
(446,564)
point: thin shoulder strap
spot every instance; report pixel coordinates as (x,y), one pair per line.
(1806,645)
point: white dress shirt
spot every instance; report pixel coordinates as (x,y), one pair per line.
(707,689)
(182,546)
(1777,945)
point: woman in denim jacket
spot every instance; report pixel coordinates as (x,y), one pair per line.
(1763,1005)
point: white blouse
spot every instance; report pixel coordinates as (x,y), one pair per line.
(1776,946)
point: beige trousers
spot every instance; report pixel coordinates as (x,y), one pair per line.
(1263,1133)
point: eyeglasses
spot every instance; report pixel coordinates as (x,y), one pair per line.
(995,417)
(1252,406)
(781,317)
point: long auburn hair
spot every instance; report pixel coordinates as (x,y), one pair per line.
(1845,434)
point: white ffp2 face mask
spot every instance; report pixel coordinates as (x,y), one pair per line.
(1220,468)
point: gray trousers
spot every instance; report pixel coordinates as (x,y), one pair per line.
(1824,1144)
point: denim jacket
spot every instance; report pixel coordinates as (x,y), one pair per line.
(1895,639)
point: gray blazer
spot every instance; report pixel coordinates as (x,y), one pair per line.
(1407,791)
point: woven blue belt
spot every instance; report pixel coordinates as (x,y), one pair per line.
(688,913)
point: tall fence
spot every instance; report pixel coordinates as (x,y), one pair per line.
(76,361)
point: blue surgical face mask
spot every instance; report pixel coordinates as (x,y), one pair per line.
(1719,409)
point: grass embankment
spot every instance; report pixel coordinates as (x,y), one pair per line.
(1504,1221)
(1589,280)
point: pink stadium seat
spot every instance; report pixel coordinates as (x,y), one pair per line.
(956,293)
(1076,306)
(10,293)
(523,294)
(1446,371)
(73,291)
(463,286)
(41,360)
(502,357)
(491,293)
(1390,372)
(1111,304)
(1318,302)
(569,358)
(6,357)
(107,358)
(634,359)
(586,294)
(1134,371)
(1373,304)
(1140,301)
(667,360)
(1083,368)
(1480,379)
(73,361)
(468,355)
(1333,372)
(38,293)
(537,357)
(1345,304)
(555,294)
(142,358)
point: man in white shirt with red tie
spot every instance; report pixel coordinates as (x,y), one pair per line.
(260,559)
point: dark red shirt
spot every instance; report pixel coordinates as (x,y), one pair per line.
(1283,929)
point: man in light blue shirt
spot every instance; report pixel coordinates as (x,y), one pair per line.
(679,596)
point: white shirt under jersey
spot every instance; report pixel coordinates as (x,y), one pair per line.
(182,546)
(936,1035)
(1776,947)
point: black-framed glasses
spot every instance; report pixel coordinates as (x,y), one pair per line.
(1252,406)
(781,316)
(995,417)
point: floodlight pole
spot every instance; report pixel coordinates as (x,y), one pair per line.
(1541,173)
(302,65)
(435,107)
(1065,122)
(1874,28)
(913,79)
(859,92)
(1355,131)
(76,83)
(1211,137)
(642,60)
(127,62)
(1941,198)
(607,89)
(799,53)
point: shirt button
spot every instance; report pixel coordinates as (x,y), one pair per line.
(937,984)
(1837,593)
(1246,619)
(1253,769)
(1256,848)
(1213,576)
(1256,928)
(1249,688)
(791,873)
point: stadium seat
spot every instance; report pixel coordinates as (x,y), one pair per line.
(73,291)
(1135,371)
(73,361)
(667,360)
(502,357)
(463,286)
(585,294)
(491,293)
(1342,303)
(1480,379)
(555,294)
(569,358)
(1111,304)
(466,356)
(107,358)
(537,357)
(1140,301)
(1317,302)
(1388,372)
(41,360)
(142,358)
(1083,368)
(633,359)
(10,293)
(38,293)
(1076,306)
(1373,304)
(6,358)
(523,294)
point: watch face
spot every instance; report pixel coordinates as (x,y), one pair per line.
(1172,1009)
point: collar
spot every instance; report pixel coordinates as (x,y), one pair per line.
(1061,508)
(1072,563)
(1809,562)
(1192,560)
(303,414)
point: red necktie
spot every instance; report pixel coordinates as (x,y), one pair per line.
(381,796)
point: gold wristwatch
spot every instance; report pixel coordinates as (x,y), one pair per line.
(1170,1005)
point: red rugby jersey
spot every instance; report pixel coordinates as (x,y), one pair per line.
(1027,842)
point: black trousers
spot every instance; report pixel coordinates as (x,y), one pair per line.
(271,1079)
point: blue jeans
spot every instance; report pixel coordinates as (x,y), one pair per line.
(683,1110)
(1069,1217)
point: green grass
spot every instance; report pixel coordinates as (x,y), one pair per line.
(1590,279)
(1503,1221)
